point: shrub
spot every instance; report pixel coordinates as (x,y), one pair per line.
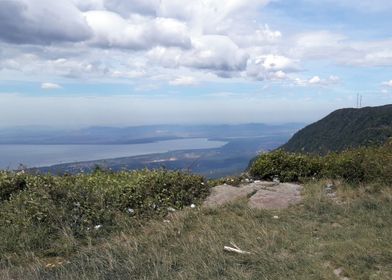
(36,216)
(361,165)
(11,183)
(285,166)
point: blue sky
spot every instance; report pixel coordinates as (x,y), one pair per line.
(78,63)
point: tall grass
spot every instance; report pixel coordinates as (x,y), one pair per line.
(308,241)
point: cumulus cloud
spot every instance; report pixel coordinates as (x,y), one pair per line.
(127,7)
(314,80)
(279,75)
(132,39)
(41,22)
(206,36)
(111,30)
(88,5)
(50,86)
(271,66)
(216,52)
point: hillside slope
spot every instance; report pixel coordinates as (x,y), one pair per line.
(342,129)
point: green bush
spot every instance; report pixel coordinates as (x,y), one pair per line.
(37,214)
(11,183)
(361,165)
(285,166)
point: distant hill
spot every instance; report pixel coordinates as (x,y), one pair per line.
(138,134)
(342,129)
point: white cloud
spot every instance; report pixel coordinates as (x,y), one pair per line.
(270,66)
(278,62)
(341,50)
(128,74)
(207,36)
(160,39)
(41,22)
(50,86)
(111,30)
(127,7)
(88,5)
(387,83)
(215,52)
(279,75)
(316,81)
(184,81)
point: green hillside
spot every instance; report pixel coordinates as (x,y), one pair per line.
(343,129)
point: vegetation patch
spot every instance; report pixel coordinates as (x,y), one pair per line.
(53,215)
(308,241)
(361,165)
(344,129)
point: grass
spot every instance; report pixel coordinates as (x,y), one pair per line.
(307,241)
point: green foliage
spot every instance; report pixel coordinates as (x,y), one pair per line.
(37,211)
(344,129)
(11,183)
(361,165)
(285,166)
(308,241)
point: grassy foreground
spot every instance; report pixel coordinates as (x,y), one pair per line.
(350,234)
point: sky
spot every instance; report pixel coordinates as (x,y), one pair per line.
(77,63)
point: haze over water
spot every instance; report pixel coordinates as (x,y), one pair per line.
(11,156)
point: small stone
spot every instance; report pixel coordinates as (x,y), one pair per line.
(130,211)
(97,227)
(329,188)
(166,221)
(336,225)
(193,206)
(171,209)
(276,217)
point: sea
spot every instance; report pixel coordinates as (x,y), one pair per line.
(13,156)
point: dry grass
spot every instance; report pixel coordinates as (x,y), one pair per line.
(308,241)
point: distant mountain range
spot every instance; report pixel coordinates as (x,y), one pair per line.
(343,129)
(138,134)
(243,142)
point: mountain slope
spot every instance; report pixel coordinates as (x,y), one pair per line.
(342,129)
